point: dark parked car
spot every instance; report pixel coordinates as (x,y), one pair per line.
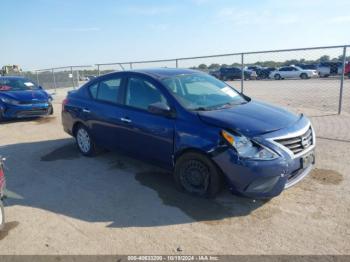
(20,97)
(254,67)
(264,72)
(232,73)
(307,66)
(215,73)
(200,128)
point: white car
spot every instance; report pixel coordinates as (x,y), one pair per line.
(293,72)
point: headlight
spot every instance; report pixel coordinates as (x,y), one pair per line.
(9,101)
(248,149)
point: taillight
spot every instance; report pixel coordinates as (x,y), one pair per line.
(64,103)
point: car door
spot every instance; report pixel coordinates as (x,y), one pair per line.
(146,135)
(105,110)
(294,72)
(286,72)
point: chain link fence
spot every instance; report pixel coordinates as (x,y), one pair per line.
(311,80)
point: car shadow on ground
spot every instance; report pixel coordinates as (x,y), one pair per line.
(38,120)
(111,188)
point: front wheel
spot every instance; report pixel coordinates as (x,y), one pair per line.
(304,76)
(84,140)
(2,215)
(50,111)
(196,174)
(277,77)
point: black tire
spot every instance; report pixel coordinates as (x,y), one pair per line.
(303,76)
(196,174)
(277,77)
(87,149)
(51,110)
(2,215)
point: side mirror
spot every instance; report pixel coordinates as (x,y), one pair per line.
(160,108)
(40,87)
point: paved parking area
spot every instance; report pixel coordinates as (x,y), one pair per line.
(63,203)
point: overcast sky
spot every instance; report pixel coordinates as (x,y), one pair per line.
(45,33)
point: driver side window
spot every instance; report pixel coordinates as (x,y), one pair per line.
(141,93)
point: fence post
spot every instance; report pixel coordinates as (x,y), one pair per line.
(98,70)
(37,78)
(177,63)
(71,72)
(242,73)
(54,79)
(342,81)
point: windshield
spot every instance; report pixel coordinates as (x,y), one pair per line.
(202,92)
(16,84)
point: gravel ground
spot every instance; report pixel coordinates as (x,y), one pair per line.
(63,203)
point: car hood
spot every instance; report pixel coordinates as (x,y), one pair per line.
(250,119)
(26,95)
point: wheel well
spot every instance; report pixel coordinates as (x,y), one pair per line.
(75,126)
(188,150)
(198,151)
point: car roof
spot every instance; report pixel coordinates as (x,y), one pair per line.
(160,73)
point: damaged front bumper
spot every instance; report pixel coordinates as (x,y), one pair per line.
(260,179)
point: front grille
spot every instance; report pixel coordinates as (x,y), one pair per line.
(298,144)
(31,102)
(35,112)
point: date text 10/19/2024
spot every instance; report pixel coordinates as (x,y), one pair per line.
(173,258)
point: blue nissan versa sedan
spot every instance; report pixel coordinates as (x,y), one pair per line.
(20,97)
(195,125)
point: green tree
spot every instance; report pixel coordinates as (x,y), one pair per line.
(214,66)
(202,67)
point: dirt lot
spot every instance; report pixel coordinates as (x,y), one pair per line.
(63,203)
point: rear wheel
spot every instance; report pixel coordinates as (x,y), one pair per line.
(84,140)
(277,76)
(304,76)
(2,216)
(196,174)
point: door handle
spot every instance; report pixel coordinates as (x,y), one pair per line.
(86,110)
(125,120)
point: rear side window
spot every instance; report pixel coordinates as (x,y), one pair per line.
(106,90)
(140,93)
